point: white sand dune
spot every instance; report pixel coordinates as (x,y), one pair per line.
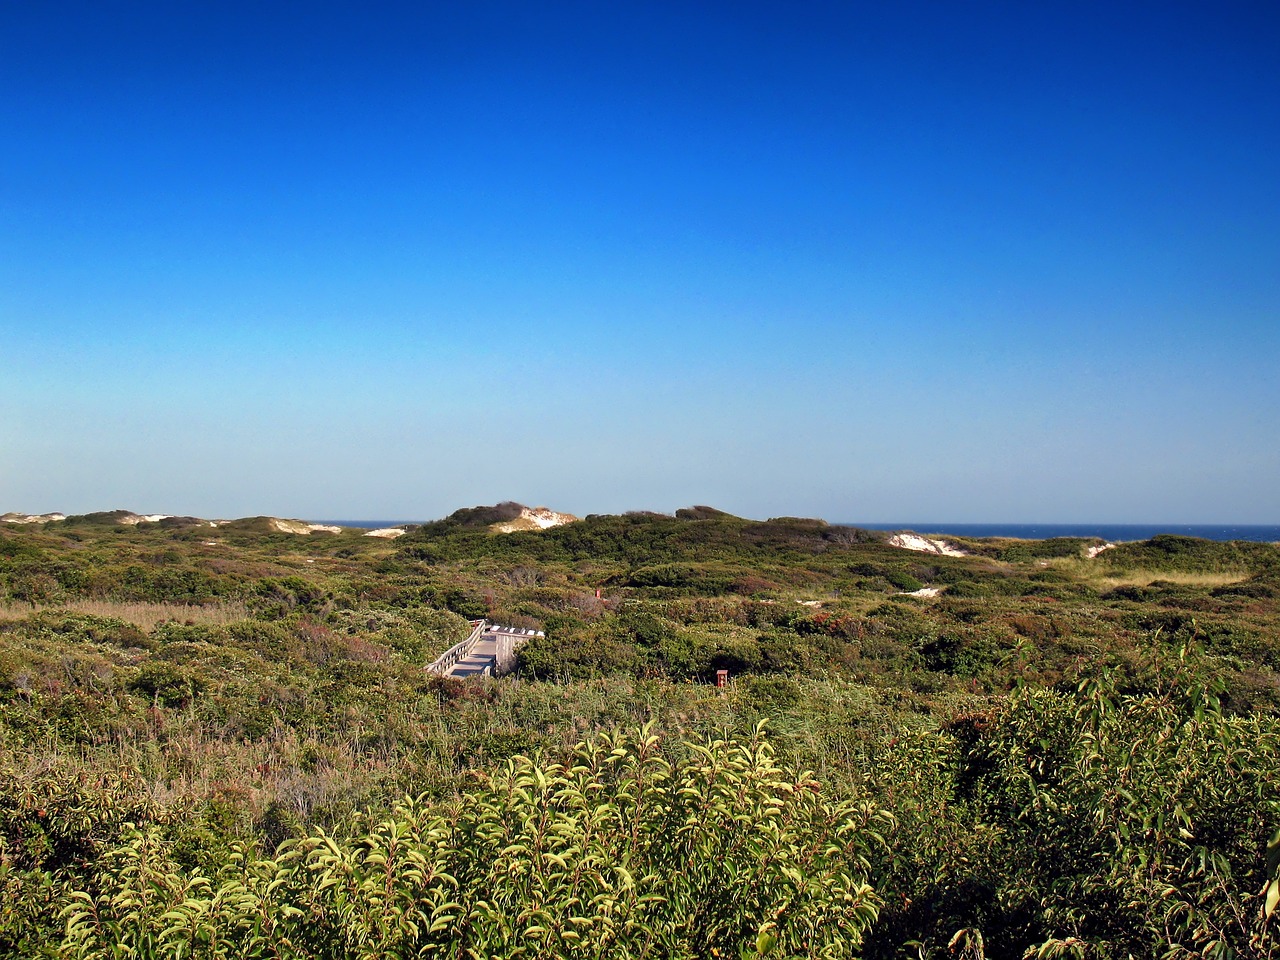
(301,527)
(910,541)
(535,518)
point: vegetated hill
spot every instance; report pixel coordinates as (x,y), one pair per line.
(700,534)
(703,513)
(127,518)
(179,523)
(1056,548)
(102,518)
(473,518)
(247,525)
(505,517)
(1174,553)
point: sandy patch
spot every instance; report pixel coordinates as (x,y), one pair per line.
(389,533)
(301,527)
(535,518)
(1094,551)
(31,517)
(922,592)
(910,541)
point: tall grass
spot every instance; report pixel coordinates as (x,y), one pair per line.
(144,615)
(1142,578)
(1091,571)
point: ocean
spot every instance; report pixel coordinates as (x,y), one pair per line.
(1265,533)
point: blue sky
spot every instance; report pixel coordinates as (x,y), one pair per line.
(883,262)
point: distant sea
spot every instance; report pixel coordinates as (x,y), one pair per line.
(1107,531)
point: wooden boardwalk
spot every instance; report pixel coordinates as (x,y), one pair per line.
(480,659)
(489,651)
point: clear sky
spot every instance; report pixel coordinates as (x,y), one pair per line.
(866,261)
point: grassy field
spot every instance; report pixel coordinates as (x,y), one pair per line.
(1036,758)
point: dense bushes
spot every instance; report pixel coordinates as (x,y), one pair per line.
(55,820)
(1126,822)
(1081,822)
(619,852)
(1189,554)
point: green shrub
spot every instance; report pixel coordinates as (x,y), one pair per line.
(903,580)
(580,653)
(1188,555)
(168,684)
(1112,825)
(54,823)
(715,851)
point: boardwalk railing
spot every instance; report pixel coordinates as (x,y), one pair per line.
(459,651)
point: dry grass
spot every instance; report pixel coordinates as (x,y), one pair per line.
(144,615)
(1142,578)
(1090,572)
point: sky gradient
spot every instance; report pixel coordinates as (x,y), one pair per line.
(965,262)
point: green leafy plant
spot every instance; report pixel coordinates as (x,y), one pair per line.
(625,850)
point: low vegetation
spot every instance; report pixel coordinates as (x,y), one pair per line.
(222,743)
